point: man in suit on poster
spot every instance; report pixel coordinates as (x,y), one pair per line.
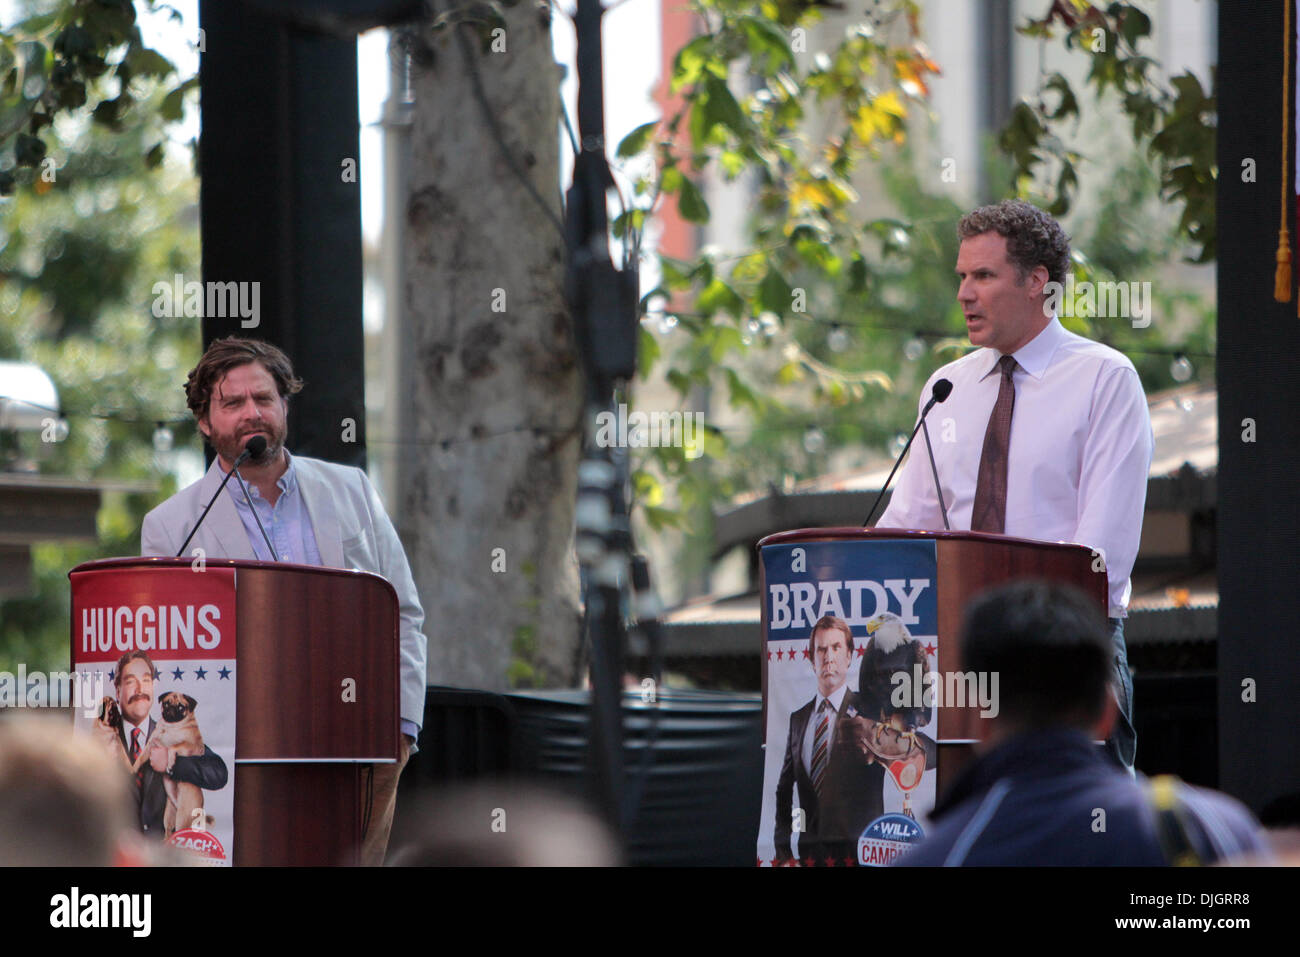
(134,680)
(315,513)
(840,788)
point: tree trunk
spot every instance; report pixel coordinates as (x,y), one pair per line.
(497,390)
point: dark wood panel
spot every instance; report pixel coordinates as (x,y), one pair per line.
(298,814)
(968,566)
(300,638)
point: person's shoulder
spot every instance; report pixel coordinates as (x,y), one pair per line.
(330,471)
(974,361)
(1075,345)
(180,502)
(1229,829)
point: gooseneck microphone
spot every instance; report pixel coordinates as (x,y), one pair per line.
(938,393)
(254,447)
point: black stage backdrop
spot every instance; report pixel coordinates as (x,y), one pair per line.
(1258,379)
(279,106)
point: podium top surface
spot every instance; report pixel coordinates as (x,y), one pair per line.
(159,561)
(855,532)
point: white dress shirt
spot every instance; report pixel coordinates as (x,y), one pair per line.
(1079,455)
(836,699)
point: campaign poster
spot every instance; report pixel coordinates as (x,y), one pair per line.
(850,637)
(164,641)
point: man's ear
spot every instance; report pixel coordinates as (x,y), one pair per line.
(205,426)
(1038,277)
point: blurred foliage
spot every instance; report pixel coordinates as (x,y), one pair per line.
(80,250)
(1173,124)
(821,331)
(83,57)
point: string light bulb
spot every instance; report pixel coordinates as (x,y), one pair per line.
(162,438)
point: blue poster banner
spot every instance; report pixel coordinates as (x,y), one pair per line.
(851,641)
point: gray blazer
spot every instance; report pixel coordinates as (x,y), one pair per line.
(352,531)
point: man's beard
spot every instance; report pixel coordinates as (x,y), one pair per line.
(230,446)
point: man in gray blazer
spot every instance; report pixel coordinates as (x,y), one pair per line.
(313,512)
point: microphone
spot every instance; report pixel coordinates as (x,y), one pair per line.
(938,393)
(254,447)
(257,445)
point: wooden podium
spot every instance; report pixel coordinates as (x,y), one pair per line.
(967,563)
(304,742)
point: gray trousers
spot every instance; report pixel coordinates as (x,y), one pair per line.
(1122,743)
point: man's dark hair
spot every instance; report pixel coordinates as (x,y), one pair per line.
(829,621)
(225,354)
(1050,647)
(126,659)
(1033,237)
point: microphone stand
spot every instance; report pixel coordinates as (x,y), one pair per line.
(234,468)
(247,498)
(934,469)
(939,393)
(897,463)
(254,446)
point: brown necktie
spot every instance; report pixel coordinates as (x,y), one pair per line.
(990,512)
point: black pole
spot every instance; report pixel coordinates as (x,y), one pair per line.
(603,301)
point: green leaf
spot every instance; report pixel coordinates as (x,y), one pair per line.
(72,96)
(679,381)
(741,395)
(145,62)
(648,353)
(1069,104)
(717,297)
(789,373)
(732,163)
(691,62)
(1134,24)
(659,518)
(632,219)
(172,107)
(858,274)
(676,275)
(725,339)
(768,46)
(74,41)
(691,204)
(774,293)
(28,150)
(721,108)
(636,141)
(36,24)
(106,113)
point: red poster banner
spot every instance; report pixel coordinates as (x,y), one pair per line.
(163,640)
